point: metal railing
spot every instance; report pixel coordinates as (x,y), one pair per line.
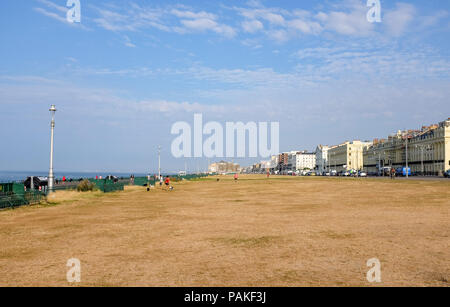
(13,200)
(13,196)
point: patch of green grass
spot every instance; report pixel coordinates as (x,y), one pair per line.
(337,236)
(254,242)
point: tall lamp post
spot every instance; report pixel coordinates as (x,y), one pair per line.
(407,166)
(379,161)
(51,176)
(421,158)
(159,162)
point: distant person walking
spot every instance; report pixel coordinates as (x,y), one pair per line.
(236,177)
(392,173)
(161,180)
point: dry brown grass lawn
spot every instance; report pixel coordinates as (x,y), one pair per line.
(257,232)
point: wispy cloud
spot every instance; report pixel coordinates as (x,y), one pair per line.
(137,18)
(398,20)
(57,12)
(344,18)
(128,42)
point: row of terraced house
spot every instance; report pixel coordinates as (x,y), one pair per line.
(426,151)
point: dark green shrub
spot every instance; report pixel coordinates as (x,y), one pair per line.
(85,186)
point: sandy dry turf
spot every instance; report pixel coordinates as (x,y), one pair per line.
(257,232)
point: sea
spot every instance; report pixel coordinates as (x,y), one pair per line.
(19,176)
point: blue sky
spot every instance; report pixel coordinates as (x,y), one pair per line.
(130,69)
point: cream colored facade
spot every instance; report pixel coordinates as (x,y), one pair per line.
(347,156)
(386,153)
(431,150)
(428,150)
(223,167)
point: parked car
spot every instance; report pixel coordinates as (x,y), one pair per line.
(345,174)
(362,174)
(447,174)
(112,178)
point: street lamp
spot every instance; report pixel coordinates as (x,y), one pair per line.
(379,162)
(421,157)
(51,176)
(406,153)
(159,162)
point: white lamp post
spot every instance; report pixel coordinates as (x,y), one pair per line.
(159,162)
(407,166)
(51,176)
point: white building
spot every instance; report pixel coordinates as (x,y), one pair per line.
(305,160)
(274,161)
(322,158)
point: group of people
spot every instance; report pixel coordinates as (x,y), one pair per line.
(163,181)
(166,182)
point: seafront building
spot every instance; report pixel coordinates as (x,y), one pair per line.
(300,160)
(283,162)
(428,150)
(223,167)
(347,156)
(322,158)
(305,161)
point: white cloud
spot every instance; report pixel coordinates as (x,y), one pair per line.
(372,60)
(137,18)
(352,23)
(193,15)
(428,21)
(205,24)
(279,36)
(201,24)
(398,20)
(276,19)
(346,18)
(252,26)
(307,27)
(128,42)
(51,15)
(252,43)
(171,107)
(283,25)
(50,4)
